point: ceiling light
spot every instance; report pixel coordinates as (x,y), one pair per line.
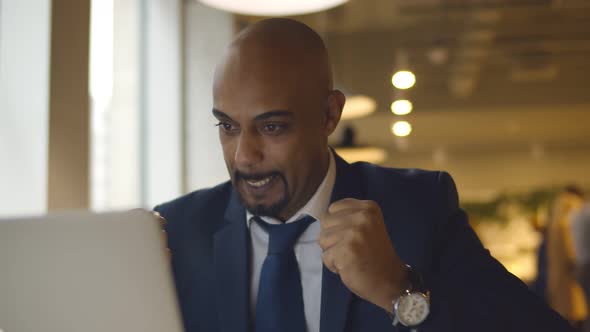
(351,152)
(358,106)
(401,107)
(403,79)
(369,154)
(401,128)
(273,7)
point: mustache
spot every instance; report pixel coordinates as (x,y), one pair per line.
(239,175)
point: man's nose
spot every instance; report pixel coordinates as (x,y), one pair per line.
(248,151)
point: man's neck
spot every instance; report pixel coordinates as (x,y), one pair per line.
(327,164)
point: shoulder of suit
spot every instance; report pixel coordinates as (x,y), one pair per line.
(415,184)
(412,176)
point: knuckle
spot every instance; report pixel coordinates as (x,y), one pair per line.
(362,224)
(353,242)
(356,234)
(356,244)
(350,233)
(366,214)
(372,206)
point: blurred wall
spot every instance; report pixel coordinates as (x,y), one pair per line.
(116,116)
(208,32)
(24,89)
(161,101)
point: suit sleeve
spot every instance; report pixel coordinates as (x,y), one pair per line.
(470,290)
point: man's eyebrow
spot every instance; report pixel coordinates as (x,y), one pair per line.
(280,113)
(274,113)
(219,114)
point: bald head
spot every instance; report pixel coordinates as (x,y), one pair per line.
(278,49)
(293,44)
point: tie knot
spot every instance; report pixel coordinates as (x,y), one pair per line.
(282,237)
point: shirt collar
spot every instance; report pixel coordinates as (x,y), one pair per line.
(317,206)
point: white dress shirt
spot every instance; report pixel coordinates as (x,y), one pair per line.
(307,250)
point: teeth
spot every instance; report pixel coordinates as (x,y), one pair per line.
(259,183)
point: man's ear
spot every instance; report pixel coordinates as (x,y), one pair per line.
(336,101)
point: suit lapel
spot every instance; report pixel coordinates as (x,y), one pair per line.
(231,259)
(336,297)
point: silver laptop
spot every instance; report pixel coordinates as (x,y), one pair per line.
(81,272)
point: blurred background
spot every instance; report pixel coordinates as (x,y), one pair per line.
(105,104)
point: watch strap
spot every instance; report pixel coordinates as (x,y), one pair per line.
(416,281)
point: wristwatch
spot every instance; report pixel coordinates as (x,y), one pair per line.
(412,307)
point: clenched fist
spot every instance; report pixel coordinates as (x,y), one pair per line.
(356,247)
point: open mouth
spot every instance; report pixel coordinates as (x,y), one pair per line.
(262,193)
(260,182)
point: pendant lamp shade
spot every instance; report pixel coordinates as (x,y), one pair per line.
(273,7)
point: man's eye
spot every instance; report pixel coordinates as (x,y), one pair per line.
(273,127)
(227,127)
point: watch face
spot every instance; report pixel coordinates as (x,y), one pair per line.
(413,309)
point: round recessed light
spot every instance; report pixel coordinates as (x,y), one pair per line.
(401,128)
(403,79)
(401,107)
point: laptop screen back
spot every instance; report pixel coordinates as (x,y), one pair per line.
(86,272)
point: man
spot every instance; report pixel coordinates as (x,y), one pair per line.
(564,293)
(354,227)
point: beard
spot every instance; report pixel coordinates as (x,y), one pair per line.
(259,209)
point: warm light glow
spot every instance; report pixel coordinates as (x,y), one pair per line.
(401,128)
(273,7)
(401,107)
(368,154)
(358,106)
(403,79)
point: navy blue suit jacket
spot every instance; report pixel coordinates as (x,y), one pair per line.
(470,290)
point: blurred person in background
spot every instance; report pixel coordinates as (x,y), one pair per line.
(564,293)
(581,241)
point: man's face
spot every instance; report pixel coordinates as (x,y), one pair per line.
(272,130)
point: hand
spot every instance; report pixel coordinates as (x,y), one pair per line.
(162,222)
(357,247)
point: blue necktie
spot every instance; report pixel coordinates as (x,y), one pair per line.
(279,307)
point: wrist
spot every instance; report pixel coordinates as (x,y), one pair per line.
(394,289)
